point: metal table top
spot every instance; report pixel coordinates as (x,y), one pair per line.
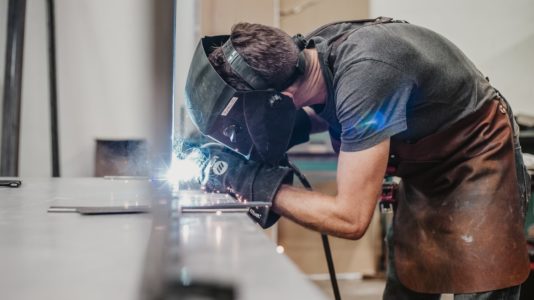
(71,256)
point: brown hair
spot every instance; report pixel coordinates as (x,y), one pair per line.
(268,50)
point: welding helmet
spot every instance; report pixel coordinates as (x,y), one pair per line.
(256,123)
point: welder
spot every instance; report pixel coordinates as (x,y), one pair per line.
(392,95)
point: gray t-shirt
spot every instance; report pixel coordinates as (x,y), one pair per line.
(395,80)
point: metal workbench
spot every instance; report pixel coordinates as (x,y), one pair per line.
(71,256)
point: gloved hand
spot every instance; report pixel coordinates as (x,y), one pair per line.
(227,171)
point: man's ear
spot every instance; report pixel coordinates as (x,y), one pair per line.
(290,91)
(287,93)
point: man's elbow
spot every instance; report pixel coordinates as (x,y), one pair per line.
(355,234)
(351,230)
(350,224)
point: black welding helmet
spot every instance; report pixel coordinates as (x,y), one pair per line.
(256,122)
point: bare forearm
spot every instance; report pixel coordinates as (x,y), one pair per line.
(348,214)
(324,213)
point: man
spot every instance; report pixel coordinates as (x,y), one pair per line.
(390,92)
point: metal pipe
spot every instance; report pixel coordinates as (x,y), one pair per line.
(54,135)
(9,152)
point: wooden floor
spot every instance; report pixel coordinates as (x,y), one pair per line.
(355,289)
(367,289)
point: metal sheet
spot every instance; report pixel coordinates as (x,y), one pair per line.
(65,256)
(198,201)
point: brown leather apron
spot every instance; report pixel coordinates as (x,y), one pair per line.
(458,227)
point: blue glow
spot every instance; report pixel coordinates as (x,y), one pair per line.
(373,123)
(377,121)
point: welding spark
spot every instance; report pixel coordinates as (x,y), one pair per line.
(185,167)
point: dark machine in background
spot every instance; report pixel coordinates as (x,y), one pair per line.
(54,135)
(9,155)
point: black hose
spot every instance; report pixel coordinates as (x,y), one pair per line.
(324,237)
(330,263)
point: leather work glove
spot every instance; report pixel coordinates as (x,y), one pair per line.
(229,172)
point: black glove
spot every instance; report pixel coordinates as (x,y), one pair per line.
(227,171)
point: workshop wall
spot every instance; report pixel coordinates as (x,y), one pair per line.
(297,16)
(114,66)
(3,31)
(114,80)
(217,17)
(34,151)
(497,35)
(186,37)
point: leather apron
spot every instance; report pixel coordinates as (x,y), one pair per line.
(458,227)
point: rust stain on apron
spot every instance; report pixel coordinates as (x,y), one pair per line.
(458,227)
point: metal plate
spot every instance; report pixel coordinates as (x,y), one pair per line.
(199,201)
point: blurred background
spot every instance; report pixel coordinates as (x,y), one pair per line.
(115,59)
(122,64)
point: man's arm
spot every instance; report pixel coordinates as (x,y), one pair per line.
(348,214)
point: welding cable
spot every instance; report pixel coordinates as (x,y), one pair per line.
(324,237)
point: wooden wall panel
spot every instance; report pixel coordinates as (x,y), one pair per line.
(314,13)
(218,16)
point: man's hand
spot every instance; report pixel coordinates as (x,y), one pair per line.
(229,172)
(216,176)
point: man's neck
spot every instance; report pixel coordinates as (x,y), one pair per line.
(312,89)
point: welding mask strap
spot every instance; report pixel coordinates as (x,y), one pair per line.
(241,68)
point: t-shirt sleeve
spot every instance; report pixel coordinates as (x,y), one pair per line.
(371,99)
